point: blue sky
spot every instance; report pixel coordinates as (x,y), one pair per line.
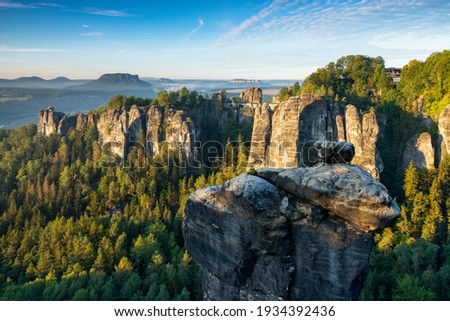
(285,39)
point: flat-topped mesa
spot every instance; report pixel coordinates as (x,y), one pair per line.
(299,122)
(287,234)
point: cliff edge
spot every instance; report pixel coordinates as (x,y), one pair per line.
(287,234)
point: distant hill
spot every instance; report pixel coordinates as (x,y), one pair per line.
(115,82)
(37,82)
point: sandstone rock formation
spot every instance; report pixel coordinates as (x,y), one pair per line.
(334,152)
(49,121)
(301,121)
(123,128)
(444,130)
(419,149)
(252,95)
(363,134)
(55,122)
(287,234)
(262,129)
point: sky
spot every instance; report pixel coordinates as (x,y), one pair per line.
(274,39)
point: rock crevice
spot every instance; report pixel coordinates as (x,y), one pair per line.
(300,121)
(123,128)
(287,234)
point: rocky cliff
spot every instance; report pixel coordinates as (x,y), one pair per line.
(252,95)
(300,121)
(363,131)
(419,149)
(261,133)
(287,234)
(129,126)
(444,130)
(52,122)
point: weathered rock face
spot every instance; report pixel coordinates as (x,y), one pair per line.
(252,95)
(112,126)
(55,122)
(262,128)
(419,149)
(284,136)
(287,234)
(340,128)
(243,113)
(180,131)
(301,121)
(128,127)
(444,130)
(363,134)
(155,129)
(334,152)
(49,121)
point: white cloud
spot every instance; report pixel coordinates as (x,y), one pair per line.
(49,4)
(4,48)
(298,20)
(93,34)
(411,41)
(107,12)
(19,5)
(85,26)
(274,7)
(14,5)
(200,25)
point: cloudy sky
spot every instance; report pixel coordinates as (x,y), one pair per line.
(285,39)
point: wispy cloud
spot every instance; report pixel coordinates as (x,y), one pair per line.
(200,25)
(15,5)
(49,5)
(4,48)
(93,34)
(36,5)
(274,7)
(108,12)
(85,26)
(290,21)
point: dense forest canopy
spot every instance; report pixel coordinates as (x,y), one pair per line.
(73,230)
(424,87)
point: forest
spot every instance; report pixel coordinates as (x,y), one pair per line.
(411,260)
(71,229)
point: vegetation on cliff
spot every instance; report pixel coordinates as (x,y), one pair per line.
(424,86)
(72,229)
(412,259)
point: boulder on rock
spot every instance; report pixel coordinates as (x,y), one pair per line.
(287,234)
(334,152)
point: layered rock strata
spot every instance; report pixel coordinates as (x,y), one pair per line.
(444,131)
(419,149)
(287,234)
(120,129)
(252,95)
(300,121)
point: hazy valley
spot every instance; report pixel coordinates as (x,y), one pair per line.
(21,98)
